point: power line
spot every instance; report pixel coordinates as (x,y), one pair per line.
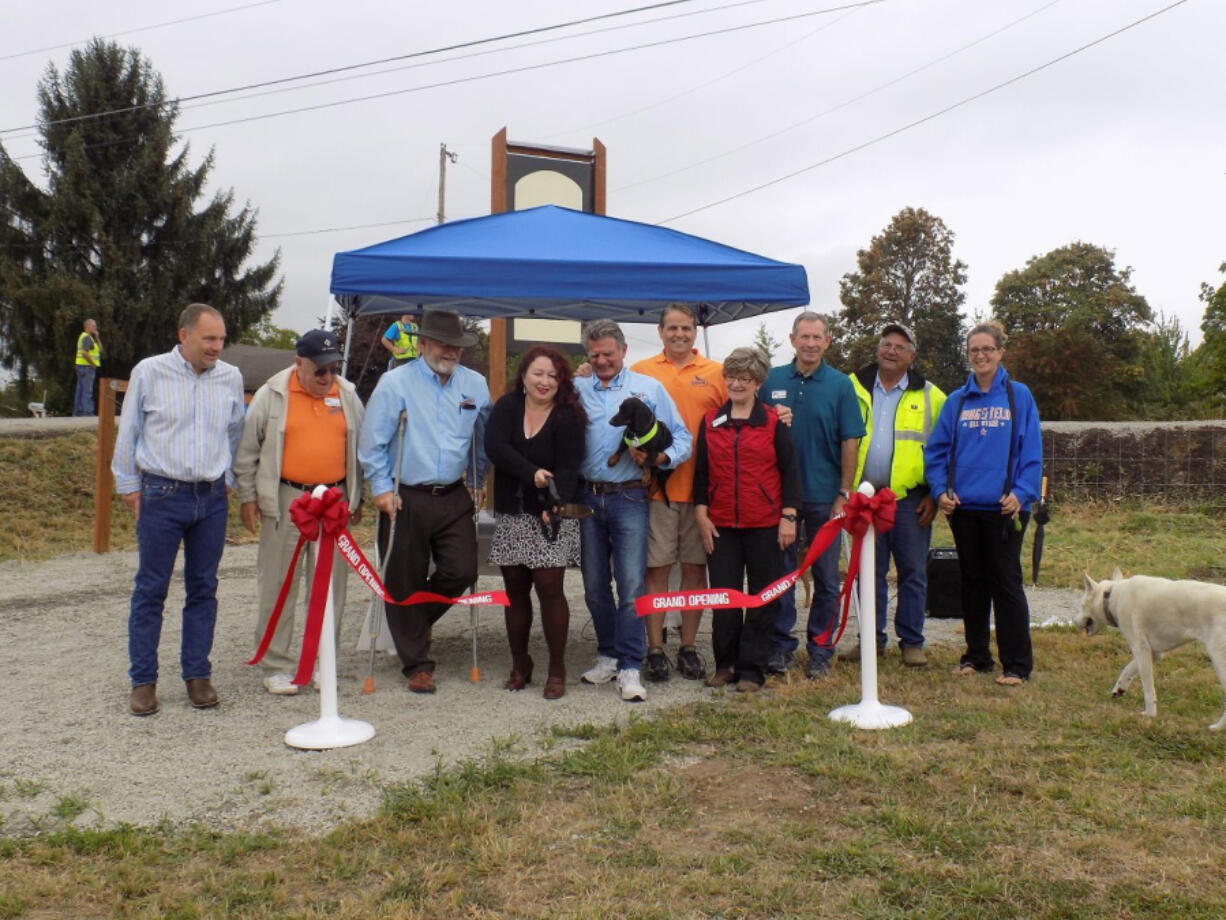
(348,67)
(927,118)
(502,73)
(842,105)
(486,53)
(156,25)
(701,86)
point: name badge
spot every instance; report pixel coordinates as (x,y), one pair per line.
(332,402)
(779,394)
(718,420)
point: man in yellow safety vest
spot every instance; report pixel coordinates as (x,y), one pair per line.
(899,408)
(400,340)
(89,357)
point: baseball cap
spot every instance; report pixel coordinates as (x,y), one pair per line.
(319,346)
(902,330)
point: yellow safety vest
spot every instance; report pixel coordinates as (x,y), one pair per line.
(405,344)
(94,353)
(913,422)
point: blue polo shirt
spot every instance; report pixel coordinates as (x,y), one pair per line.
(825,413)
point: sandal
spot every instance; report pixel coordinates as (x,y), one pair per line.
(964,670)
(1010,680)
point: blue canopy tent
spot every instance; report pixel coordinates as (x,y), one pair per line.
(555,263)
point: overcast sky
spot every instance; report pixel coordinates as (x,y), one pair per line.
(1120,145)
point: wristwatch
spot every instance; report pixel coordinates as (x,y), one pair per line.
(846,494)
(789,517)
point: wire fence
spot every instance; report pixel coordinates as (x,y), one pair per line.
(1173,463)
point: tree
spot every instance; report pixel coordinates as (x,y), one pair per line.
(1213,348)
(267,335)
(907,274)
(766,342)
(117,235)
(1077,329)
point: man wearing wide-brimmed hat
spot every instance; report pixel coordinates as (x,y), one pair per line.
(447,407)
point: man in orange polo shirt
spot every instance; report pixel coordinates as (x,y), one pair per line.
(301,431)
(696,384)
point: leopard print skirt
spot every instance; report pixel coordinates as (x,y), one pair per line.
(518,540)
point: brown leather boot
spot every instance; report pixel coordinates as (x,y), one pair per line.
(201,693)
(144,700)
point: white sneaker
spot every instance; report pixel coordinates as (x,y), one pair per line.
(280,684)
(603,672)
(630,686)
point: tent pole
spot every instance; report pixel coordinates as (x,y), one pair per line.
(706,341)
(328,315)
(348,342)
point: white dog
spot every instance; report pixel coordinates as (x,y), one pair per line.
(1156,615)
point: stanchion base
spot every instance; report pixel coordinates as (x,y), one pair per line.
(333,732)
(871,715)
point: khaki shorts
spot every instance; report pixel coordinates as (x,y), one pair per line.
(672,536)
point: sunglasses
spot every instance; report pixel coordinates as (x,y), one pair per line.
(330,371)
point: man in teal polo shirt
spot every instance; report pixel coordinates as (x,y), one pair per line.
(826,428)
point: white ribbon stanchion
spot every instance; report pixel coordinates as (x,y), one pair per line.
(869,712)
(329,730)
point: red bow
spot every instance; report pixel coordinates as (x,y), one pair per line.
(858,512)
(308,513)
(330,513)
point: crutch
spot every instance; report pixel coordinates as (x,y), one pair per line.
(382,558)
(474,614)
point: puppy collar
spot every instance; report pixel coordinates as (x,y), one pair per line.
(1107,610)
(638,442)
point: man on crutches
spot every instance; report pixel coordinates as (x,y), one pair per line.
(447,407)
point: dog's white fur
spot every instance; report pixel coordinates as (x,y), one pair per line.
(1156,615)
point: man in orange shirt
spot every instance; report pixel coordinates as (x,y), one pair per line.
(301,431)
(695,384)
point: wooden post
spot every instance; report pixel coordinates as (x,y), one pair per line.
(104,481)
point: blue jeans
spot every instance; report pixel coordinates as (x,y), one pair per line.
(614,549)
(824,606)
(173,512)
(908,543)
(83,398)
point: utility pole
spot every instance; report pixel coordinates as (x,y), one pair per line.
(443,156)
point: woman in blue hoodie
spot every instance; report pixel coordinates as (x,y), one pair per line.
(984,462)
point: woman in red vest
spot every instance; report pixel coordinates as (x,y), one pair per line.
(746,492)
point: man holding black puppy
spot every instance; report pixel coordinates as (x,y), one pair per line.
(615,535)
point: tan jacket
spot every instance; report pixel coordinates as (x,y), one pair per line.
(257,462)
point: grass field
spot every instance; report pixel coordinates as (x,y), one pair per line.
(1047,801)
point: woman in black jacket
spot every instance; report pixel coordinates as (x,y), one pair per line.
(535,435)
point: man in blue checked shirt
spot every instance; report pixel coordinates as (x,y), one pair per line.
(446,406)
(182,419)
(615,535)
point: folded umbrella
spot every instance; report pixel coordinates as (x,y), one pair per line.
(1040,517)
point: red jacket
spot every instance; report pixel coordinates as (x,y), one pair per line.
(744,486)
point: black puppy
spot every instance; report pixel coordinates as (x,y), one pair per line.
(645,433)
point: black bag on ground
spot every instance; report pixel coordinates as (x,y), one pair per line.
(944,584)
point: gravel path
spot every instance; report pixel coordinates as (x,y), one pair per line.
(70,742)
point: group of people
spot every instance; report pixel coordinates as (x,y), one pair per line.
(759,459)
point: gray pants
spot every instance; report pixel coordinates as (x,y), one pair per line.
(277,541)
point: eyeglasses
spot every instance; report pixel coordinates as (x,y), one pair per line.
(891,346)
(982,350)
(330,371)
(744,381)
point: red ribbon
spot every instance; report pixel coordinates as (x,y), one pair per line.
(325,519)
(858,513)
